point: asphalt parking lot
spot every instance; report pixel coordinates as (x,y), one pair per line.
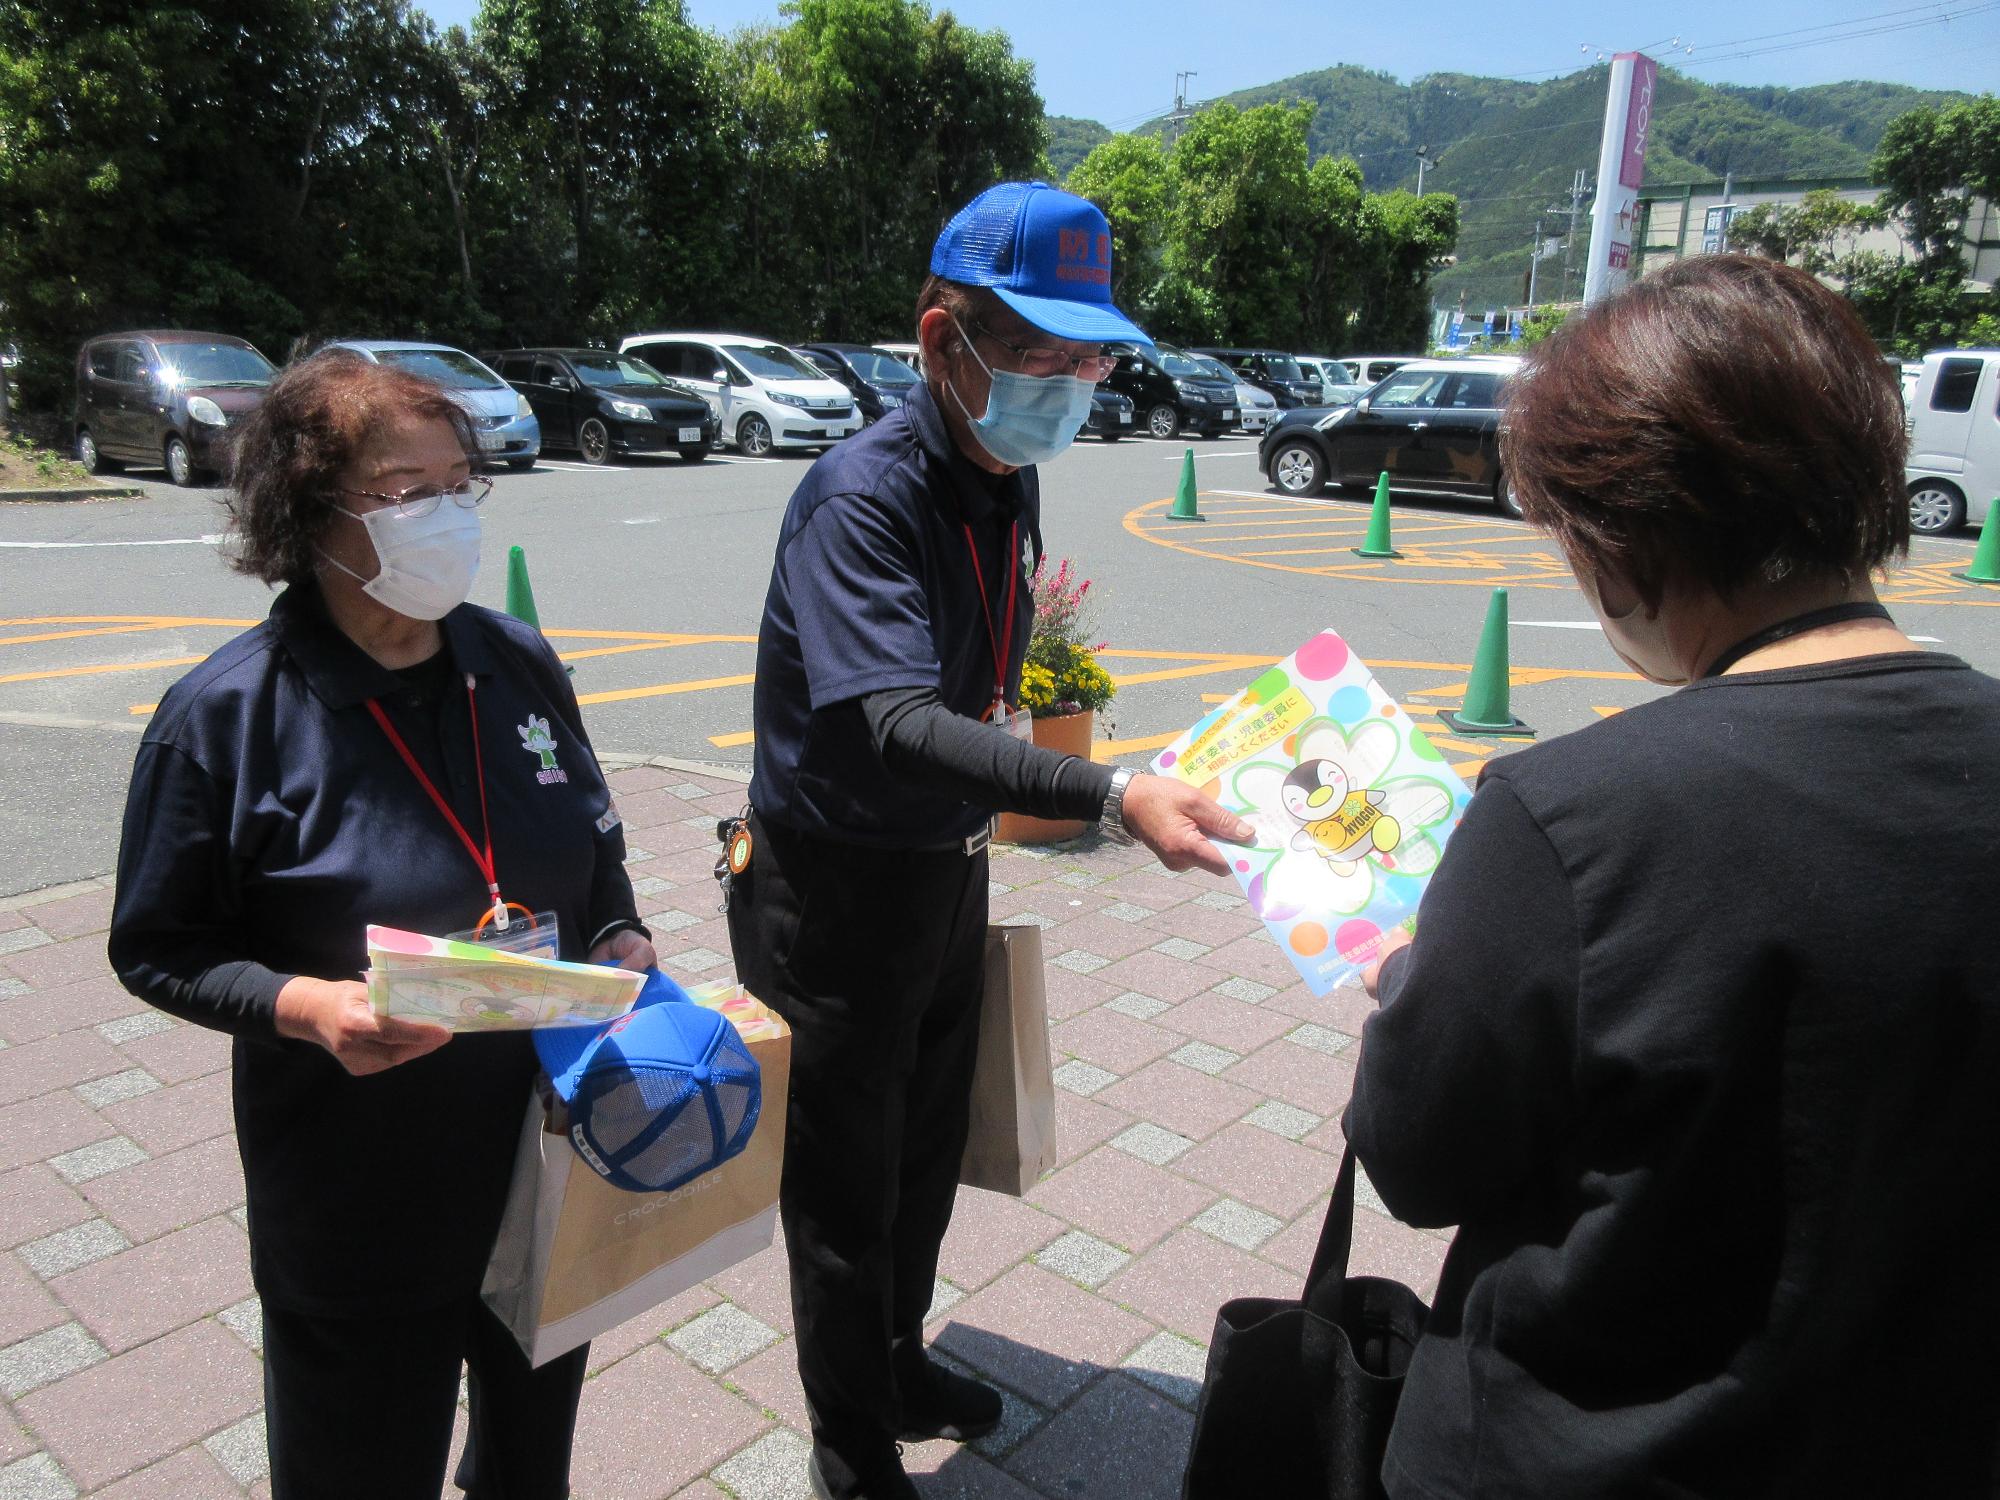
(650,575)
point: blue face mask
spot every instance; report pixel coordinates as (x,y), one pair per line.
(1029,419)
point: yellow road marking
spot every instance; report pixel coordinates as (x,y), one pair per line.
(663,689)
(732,741)
(103,667)
(71,635)
(142,708)
(162,622)
(1106,749)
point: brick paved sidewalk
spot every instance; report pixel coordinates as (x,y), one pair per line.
(1199,1093)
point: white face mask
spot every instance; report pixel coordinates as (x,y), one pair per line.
(1639,638)
(1029,418)
(427,563)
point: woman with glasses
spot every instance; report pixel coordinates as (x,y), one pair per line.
(359,758)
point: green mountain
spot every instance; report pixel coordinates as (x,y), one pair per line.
(1510,150)
(1070,141)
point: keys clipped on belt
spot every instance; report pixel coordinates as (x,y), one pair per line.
(737,846)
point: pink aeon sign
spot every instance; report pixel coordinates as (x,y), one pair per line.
(1638,119)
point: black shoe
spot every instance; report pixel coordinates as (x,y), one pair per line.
(883,1479)
(939,1403)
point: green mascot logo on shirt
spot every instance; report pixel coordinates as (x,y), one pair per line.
(538,739)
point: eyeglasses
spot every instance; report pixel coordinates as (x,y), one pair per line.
(421,500)
(1046,361)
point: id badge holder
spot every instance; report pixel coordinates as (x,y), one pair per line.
(1015,721)
(531,934)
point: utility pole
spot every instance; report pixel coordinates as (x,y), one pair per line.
(1728,201)
(1181,110)
(1424,161)
(1576,191)
(1534,264)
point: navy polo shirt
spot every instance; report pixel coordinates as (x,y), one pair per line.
(269,822)
(874,588)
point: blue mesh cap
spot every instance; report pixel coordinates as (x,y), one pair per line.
(1045,253)
(659,1096)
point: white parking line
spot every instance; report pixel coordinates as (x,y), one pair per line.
(1217,453)
(569,468)
(1560,624)
(176,541)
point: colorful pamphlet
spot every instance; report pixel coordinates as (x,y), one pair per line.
(1351,803)
(476,987)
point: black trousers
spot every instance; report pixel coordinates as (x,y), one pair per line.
(876,960)
(364,1406)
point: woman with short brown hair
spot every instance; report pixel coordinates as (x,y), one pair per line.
(358,758)
(1691,1043)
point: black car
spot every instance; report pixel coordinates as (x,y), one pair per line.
(1432,425)
(1170,392)
(600,403)
(881,383)
(1271,370)
(1110,415)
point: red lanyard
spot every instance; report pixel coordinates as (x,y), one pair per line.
(1002,643)
(483,860)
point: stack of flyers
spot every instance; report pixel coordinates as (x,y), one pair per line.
(474,987)
(1351,803)
(754,1021)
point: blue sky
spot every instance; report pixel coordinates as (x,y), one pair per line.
(1115,60)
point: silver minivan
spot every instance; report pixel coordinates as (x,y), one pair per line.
(1953,470)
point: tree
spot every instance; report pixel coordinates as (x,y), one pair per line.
(1814,234)
(1126,177)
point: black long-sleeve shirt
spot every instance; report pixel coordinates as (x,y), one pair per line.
(269,822)
(949,755)
(1699,1045)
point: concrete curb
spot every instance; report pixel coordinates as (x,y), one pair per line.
(74,492)
(617,760)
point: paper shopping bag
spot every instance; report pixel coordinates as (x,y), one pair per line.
(1013,1137)
(576,1256)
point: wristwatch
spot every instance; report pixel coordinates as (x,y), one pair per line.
(1111,821)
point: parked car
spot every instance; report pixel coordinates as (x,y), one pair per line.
(1368,369)
(167,397)
(1432,425)
(600,403)
(1344,393)
(1257,407)
(1171,392)
(1954,423)
(910,354)
(1271,370)
(1110,414)
(878,381)
(1328,372)
(763,395)
(502,420)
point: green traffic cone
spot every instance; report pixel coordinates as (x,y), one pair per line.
(520,597)
(1986,559)
(1377,543)
(1184,506)
(1485,710)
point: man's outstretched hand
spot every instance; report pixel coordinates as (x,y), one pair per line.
(1174,820)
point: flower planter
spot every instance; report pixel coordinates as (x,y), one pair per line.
(1071,734)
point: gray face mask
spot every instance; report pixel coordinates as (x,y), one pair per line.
(1029,418)
(426,563)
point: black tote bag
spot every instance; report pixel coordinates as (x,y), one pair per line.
(1298,1396)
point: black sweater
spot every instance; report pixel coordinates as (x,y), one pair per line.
(1699,1043)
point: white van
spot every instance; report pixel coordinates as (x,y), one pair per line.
(764,395)
(1954,425)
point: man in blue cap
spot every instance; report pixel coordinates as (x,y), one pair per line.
(888,732)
